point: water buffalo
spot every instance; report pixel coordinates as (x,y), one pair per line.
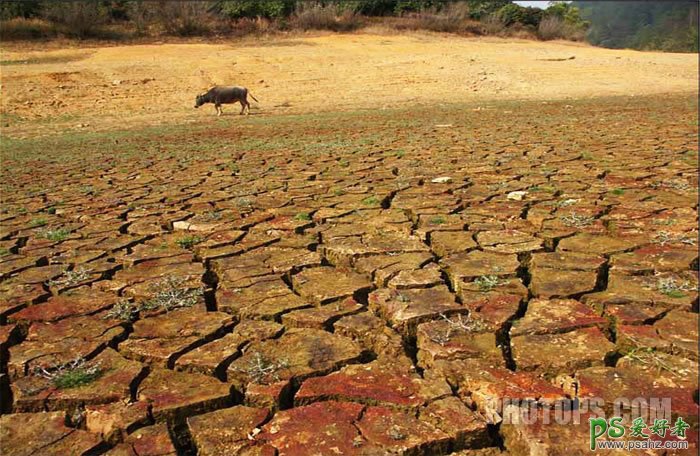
(223,95)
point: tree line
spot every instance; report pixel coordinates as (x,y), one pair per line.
(641,25)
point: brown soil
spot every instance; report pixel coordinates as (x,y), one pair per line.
(129,86)
(355,281)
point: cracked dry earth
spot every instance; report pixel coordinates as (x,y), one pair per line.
(349,283)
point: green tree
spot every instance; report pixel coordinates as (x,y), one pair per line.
(271,9)
(662,25)
(11,10)
(512,13)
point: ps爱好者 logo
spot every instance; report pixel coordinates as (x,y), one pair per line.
(647,437)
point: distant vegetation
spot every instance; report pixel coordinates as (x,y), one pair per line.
(662,25)
(641,25)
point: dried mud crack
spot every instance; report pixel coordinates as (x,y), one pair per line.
(348,283)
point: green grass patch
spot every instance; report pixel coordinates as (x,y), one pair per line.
(77,377)
(302,216)
(188,242)
(370,201)
(56,235)
(36,222)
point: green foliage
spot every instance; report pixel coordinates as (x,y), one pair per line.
(39,221)
(72,374)
(480,9)
(370,201)
(271,9)
(188,242)
(375,7)
(76,377)
(302,216)
(25,9)
(56,235)
(477,8)
(646,25)
(488,282)
(408,6)
(512,14)
(567,12)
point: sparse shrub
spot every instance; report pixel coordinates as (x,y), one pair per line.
(664,237)
(566,202)
(576,221)
(211,216)
(71,375)
(488,282)
(122,310)
(20,28)
(302,216)
(37,222)
(184,18)
(553,28)
(171,293)
(81,19)
(251,9)
(492,24)
(70,278)
(335,17)
(648,356)
(262,370)
(55,235)
(672,288)
(370,201)
(140,14)
(188,242)
(456,325)
(244,202)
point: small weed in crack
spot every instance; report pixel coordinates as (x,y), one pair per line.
(488,282)
(70,278)
(55,235)
(671,288)
(188,242)
(577,221)
(664,237)
(122,310)
(455,325)
(263,370)
(72,374)
(171,293)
